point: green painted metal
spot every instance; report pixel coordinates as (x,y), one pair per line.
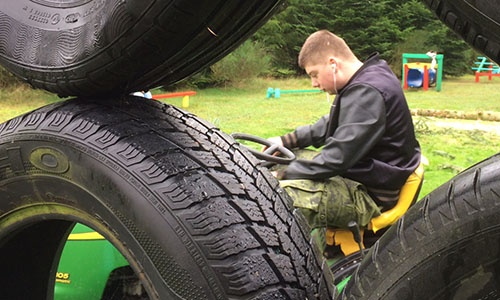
(342,284)
(85,265)
(276,93)
(300,91)
(439,60)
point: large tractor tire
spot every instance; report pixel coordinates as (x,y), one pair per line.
(445,247)
(103,47)
(476,21)
(184,204)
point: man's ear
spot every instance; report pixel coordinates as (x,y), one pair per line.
(333,63)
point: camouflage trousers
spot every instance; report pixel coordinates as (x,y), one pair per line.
(332,202)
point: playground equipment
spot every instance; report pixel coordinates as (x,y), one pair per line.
(422,74)
(184,95)
(491,69)
(416,74)
(276,93)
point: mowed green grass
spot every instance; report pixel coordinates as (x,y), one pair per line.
(461,94)
(245,108)
(22,99)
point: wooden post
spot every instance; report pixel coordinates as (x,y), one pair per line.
(490,72)
(477,76)
(185,101)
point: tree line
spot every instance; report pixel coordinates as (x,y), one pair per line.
(390,27)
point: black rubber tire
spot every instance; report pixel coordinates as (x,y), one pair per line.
(97,47)
(445,247)
(476,21)
(182,201)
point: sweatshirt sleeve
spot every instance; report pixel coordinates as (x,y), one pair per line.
(307,135)
(361,125)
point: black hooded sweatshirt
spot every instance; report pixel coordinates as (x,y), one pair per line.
(367,137)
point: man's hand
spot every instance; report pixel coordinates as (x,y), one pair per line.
(275,140)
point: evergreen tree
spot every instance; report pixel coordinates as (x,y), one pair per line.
(458,56)
(364,25)
(286,32)
(385,26)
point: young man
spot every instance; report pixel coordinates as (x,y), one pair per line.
(369,145)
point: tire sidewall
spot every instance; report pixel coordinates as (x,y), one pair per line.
(442,244)
(100,193)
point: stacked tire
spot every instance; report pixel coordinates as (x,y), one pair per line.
(114,47)
(184,204)
(447,246)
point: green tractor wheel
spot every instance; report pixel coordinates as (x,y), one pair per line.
(91,268)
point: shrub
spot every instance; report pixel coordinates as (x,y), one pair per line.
(458,56)
(7,79)
(248,61)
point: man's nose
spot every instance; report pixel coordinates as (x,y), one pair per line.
(315,83)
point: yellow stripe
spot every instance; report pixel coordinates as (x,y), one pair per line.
(66,281)
(85,236)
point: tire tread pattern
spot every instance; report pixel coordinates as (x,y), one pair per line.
(235,214)
(452,212)
(129,46)
(473,21)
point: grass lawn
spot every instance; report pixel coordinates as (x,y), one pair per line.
(462,94)
(20,100)
(245,108)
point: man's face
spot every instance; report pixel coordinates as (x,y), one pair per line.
(322,77)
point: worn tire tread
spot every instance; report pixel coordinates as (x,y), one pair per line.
(247,232)
(442,219)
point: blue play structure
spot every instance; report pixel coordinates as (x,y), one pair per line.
(416,77)
(422,74)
